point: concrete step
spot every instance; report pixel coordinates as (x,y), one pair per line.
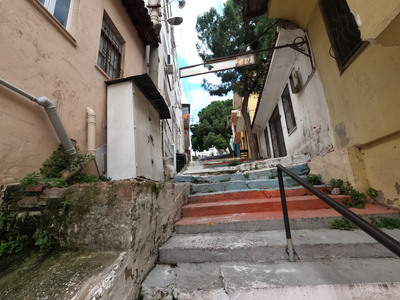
(240,185)
(307,202)
(273,220)
(329,278)
(251,194)
(270,246)
(230,174)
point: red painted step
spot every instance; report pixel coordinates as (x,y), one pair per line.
(370,209)
(246,205)
(261,194)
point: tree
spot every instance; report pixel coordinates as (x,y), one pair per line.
(227,34)
(213,128)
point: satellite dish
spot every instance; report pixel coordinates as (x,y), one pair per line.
(182,4)
(175,21)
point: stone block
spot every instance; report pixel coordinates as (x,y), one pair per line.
(28,202)
(53,193)
(34,188)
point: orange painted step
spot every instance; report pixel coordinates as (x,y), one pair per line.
(370,209)
(308,202)
(260,194)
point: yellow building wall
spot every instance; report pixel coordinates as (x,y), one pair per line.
(45,60)
(363,105)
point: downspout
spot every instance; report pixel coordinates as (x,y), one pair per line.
(154,5)
(91,123)
(52,113)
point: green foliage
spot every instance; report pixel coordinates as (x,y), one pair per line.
(371,193)
(195,180)
(385,222)
(13,245)
(272,176)
(358,199)
(84,178)
(35,179)
(246,175)
(228,33)
(342,224)
(234,163)
(42,239)
(314,179)
(213,128)
(60,161)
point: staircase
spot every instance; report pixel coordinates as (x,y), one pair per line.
(231,244)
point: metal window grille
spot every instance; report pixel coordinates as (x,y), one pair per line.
(343,31)
(110,52)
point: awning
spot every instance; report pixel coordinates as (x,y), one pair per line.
(149,90)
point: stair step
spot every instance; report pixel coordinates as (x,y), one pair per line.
(257,205)
(239,185)
(347,278)
(269,246)
(273,220)
(250,194)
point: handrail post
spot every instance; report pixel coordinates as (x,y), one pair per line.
(285,216)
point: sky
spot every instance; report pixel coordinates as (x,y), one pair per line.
(186,38)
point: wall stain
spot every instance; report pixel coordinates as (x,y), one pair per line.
(397,187)
(340,130)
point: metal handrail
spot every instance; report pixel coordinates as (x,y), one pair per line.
(374,232)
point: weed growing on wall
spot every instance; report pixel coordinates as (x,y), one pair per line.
(358,199)
(60,161)
(51,172)
(314,179)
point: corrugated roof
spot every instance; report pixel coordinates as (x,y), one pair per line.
(140,18)
(149,90)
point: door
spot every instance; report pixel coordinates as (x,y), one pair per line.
(277,140)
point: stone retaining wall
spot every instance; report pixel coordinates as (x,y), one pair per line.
(133,217)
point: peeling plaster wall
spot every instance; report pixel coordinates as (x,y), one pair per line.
(362,101)
(313,133)
(44,60)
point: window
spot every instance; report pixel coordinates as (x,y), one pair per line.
(343,31)
(110,49)
(60,9)
(288,109)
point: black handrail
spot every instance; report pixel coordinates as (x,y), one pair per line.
(374,232)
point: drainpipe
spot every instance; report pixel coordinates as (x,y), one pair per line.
(91,123)
(52,113)
(154,5)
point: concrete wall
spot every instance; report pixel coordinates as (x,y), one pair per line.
(362,101)
(45,59)
(128,218)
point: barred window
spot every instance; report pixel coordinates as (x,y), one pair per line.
(110,50)
(343,31)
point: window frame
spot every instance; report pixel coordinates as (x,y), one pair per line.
(342,64)
(110,38)
(288,109)
(50,5)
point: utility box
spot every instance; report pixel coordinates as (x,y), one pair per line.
(134,142)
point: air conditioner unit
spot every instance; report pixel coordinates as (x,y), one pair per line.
(170,69)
